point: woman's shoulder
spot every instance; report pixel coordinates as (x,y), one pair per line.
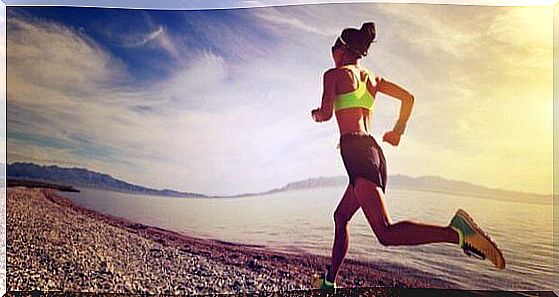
(336,70)
(346,69)
(348,72)
(337,73)
(361,70)
(364,73)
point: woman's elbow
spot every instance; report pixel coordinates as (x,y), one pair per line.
(410,99)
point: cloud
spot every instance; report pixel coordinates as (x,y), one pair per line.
(64,49)
(483,87)
(292,21)
(238,101)
(202,119)
(158,37)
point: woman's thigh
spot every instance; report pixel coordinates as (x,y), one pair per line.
(370,197)
(347,206)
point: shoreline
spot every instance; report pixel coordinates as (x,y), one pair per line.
(123,249)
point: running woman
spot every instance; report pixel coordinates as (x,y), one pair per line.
(350,90)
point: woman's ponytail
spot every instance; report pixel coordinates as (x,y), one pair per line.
(370,31)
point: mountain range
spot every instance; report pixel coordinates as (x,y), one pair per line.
(81,177)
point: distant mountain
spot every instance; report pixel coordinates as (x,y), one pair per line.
(426,183)
(439,184)
(80,177)
(318,182)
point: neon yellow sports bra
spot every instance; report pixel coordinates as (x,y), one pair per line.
(360,97)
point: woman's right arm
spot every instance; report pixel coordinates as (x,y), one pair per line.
(393,90)
(324,113)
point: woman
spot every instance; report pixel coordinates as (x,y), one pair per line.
(350,90)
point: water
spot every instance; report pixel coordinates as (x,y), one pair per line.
(302,220)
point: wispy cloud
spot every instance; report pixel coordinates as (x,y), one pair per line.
(293,21)
(200,119)
(232,111)
(158,37)
(65,49)
(474,70)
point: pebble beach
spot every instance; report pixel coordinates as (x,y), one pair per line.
(54,244)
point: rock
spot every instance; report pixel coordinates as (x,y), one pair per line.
(279,258)
(105,258)
(254,264)
(156,253)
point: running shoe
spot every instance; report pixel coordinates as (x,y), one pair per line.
(474,242)
(319,281)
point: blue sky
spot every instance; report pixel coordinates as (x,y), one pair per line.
(218,101)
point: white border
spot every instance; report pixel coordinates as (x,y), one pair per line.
(227,4)
(3,160)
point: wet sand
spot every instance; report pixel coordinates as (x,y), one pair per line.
(55,245)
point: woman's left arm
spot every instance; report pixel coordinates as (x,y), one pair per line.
(393,90)
(324,113)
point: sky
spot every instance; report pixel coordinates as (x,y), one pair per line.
(218,101)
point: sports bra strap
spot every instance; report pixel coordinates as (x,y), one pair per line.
(357,77)
(360,97)
(358,85)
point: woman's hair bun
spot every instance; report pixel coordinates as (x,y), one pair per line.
(369,30)
(358,41)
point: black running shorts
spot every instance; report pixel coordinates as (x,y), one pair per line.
(363,157)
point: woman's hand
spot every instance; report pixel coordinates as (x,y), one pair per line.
(315,113)
(392,137)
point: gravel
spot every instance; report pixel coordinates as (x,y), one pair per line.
(55,245)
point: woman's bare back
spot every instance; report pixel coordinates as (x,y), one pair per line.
(353,119)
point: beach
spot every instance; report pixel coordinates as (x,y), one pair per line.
(55,245)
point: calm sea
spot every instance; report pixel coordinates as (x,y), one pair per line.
(302,220)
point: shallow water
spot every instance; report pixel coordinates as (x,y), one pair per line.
(302,220)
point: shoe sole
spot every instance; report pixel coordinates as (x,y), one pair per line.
(478,230)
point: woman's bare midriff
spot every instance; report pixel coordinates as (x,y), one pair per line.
(353,120)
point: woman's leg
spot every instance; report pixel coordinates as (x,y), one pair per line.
(342,215)
(371,200)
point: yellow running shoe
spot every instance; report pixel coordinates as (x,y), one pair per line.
(474,241)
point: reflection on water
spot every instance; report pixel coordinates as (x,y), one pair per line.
(303,220)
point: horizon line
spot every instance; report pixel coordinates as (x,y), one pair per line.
(273,189)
